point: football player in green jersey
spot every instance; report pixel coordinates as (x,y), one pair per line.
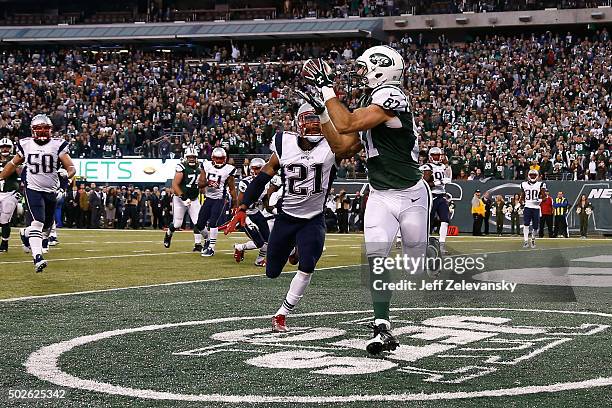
(186,194)
(399,198)
(9,194)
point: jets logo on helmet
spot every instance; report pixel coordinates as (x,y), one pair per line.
(219,157)
(309,124)
(191,156)
(435,155)
(379,65)
(256,165)
(41,127)
(533,175)
(6,146)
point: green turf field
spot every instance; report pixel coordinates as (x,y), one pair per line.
(192,331)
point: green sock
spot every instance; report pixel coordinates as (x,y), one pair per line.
(381,299)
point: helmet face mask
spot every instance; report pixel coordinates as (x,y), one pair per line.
(435,155)
(309,124)
(533,176)
(6,147)
(191,156)
(41,127)
(256,165)
(218,157)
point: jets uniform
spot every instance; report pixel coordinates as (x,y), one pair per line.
(9,197)
(306,177)
(399,198)
(188,202)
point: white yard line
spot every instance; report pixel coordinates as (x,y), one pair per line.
(155,285)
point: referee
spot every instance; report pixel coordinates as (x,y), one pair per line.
(560,210)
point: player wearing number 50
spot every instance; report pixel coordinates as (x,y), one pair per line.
(384,124)
(42,156)
(308,167)
(186,192)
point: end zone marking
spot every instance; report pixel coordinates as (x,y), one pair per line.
(44,364)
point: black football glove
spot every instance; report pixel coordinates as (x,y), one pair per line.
(314,101)
(318,73)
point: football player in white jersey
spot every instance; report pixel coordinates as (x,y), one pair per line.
(399,197)
(186,194)
(308,167)
(47,160)
(532,192)
(256,228)
(438,174)
(9,194)
(216,177)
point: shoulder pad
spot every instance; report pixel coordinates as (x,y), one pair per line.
(180,168)
(390,97)
(426,167)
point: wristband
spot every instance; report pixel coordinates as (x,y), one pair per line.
(324,117)
(328,93)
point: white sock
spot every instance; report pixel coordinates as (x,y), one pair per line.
(534,233)
(197,238)
(204,233)
(443,231)
(34,234)
(383,321)
(213,238)
(298,286)
(526,233)
(248,246)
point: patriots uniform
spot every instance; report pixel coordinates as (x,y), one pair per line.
(531,212)
(306,178)
(216,179)
(42,163)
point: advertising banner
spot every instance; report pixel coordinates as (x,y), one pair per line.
(126,170)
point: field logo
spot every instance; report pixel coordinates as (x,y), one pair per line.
(473,346)
(445,346)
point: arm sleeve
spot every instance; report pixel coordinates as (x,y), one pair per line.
(255,189)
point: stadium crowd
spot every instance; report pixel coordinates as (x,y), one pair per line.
(496,105)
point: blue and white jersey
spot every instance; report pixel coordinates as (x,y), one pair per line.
(306,175)
(532,193)
(42,163)
(442,175)
(216,179)
(258,205)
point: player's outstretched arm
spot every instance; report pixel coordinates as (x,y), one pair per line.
(344,146)
(11,167)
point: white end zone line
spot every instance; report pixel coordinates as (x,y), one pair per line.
(86,292)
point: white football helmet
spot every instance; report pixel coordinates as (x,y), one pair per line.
(256,165)
(379,65)
(6,146)
(435,155)
(41,127)
(309,124)
(191,156)
(533,175)
(218,157)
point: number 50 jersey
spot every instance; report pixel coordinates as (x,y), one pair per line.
(42,163)
(306,175)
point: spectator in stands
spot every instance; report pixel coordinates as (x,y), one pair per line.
(478,212)
(560,206)
(71,207)
(110,208)
(546,210)
(584,209)
(85,214)
(500,214)
(515,210)
(95,206)
(164,149)
(488,203)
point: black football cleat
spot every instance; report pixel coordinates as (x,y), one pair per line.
(39,264)
(3,246)
(167,240)
(197,248)
(382,340)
